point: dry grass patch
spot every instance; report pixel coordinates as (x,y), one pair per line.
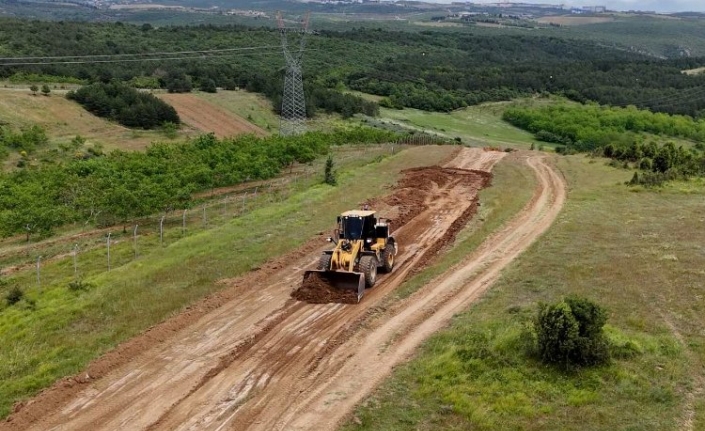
(64,119)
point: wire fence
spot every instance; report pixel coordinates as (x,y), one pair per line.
(120,245)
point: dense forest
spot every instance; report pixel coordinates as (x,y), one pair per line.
(123,185)
(432,70)
(626,135)
(122,103)
(588,127)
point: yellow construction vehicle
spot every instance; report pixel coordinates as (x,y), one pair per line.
(362,246)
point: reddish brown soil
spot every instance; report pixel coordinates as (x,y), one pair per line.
(316,290)
(253,358)
(410,198)
(207,117)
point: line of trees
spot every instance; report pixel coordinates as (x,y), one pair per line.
(122,103)
(123,185)
(587,127)
(621,134)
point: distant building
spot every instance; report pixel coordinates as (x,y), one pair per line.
(594,9)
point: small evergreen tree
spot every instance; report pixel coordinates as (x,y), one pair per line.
(34,89)
(330,173)
(570,333)
(46,90)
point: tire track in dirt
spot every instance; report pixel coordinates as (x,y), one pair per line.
(256,356)
(393,336)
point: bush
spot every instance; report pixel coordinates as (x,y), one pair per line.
(208,86)
(570,333)
(14,295)
(646,164)
(79,285)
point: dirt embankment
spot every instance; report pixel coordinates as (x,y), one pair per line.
(253,358)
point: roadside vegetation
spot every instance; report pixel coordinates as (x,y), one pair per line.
(117,187)
(637,258)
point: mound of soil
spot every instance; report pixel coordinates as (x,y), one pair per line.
(316,290)
(410,194)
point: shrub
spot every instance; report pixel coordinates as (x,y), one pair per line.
(208,86)
(646,164)
(14,295)
(330,173)
(79,285)
(570,333)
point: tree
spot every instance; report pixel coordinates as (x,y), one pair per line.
(46,90)
(330,174)
(34,89)
(208,86)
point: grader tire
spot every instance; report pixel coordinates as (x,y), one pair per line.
(387,257)
(324,262)
(368,266)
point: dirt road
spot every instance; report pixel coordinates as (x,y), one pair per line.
(262,361)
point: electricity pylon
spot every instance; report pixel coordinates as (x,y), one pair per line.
(292,120)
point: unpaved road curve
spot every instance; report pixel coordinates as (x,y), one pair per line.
(263,361)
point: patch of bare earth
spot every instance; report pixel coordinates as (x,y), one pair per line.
(207,117)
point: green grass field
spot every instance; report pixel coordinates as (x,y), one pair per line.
(55,331)
(638,253)
(476,125)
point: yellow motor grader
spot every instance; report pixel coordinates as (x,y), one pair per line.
(362,247)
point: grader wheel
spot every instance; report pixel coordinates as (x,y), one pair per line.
(368,267)
(387,257)
(324,262)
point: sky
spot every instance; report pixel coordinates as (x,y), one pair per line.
(656,5)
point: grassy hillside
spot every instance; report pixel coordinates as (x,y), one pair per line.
(64,119)
(476,125)
(640,256)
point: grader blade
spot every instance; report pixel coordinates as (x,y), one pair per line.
(354,281)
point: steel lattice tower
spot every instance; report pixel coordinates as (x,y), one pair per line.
(292,120)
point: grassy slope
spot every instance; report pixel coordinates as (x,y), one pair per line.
(65,330)
(64,119)
(637,253)
(258,110)
(251,106)
(477,125)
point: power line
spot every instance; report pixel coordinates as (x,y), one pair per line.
(117,58)
(78,57)
(125,60)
